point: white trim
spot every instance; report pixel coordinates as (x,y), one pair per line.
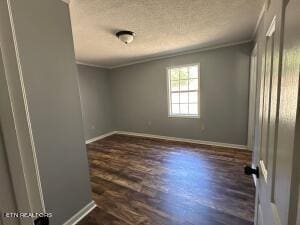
(91,65)
(183,65)
(182,53)
(188,116)
(259,20)
(252,97)
(264,171)
(99,137)
(81,213)
(185,116)
(218,144)
(167,55)
(272,27)
(254,179)
(66,1)
(254,176)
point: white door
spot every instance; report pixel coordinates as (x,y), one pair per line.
(276,199)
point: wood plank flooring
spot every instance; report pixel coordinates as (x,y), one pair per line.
(143,181)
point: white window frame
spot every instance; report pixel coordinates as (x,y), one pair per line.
(169,92)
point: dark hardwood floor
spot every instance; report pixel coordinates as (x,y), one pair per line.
(138,180)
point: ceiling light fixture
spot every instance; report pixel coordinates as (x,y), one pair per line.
(125,36)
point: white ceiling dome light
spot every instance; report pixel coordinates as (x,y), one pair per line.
(125,36)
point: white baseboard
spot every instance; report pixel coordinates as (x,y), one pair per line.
(81,213)
(100,137)
(218,144)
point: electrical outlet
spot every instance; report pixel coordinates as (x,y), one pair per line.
(202,126)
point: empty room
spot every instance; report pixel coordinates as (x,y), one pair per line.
(158,112)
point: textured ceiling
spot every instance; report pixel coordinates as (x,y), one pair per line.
(162,26)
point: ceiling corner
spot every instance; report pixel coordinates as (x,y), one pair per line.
(66,1)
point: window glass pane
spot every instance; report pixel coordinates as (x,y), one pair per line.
(193,72)
(175,97)
(193,97)
(193,84)
(174,74)
(183,91)
(193,109)
(174,85)
(175,109)
(184,97)
(184,108)
(183,71)
(184,85)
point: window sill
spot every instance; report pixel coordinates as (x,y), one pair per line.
(184,116)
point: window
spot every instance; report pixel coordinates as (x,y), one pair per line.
(183,91)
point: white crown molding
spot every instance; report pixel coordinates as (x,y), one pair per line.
(81,213)
(217,144)
(66,1)
(181,53)
(99,137)
(92,65)
(166,56)
(259,20)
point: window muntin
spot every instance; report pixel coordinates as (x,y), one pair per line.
(183,91)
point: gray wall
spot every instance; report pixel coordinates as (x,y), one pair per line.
(95,100)
(45,44)
(140,102)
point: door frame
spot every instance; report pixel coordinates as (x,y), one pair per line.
(10,143)
(15,121)
(252,98)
